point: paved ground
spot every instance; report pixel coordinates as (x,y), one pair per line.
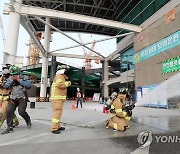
(85,132)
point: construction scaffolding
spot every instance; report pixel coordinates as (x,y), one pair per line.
(88,64)
(33,51)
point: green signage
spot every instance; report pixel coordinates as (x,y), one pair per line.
(158,47)
(171,65)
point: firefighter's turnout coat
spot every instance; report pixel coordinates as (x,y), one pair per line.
(119,117)
(58,96)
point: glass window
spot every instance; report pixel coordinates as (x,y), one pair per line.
(126,60)
(138,15)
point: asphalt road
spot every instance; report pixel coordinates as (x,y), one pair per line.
(85,132)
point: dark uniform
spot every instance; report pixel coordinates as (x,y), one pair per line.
(17,84)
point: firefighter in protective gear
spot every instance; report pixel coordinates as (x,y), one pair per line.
(58,96)
(17,84)
(119,117)
(4,96)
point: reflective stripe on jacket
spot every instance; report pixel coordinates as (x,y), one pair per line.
(117,106)
(4,93)
(3,98)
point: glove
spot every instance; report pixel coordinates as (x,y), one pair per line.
(69,83)
(107,107)
(129,113)
(112,111)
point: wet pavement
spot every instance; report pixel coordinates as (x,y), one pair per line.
(86,133)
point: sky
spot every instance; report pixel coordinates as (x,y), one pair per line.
(58,41)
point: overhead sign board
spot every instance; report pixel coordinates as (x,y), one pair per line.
(171,65)
(158,47)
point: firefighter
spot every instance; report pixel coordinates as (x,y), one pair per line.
(17,84)
(119,118)
(4,96)
(58,96)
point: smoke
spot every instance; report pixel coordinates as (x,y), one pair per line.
(167,89)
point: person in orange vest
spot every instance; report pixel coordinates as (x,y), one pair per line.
(79,99)
(58,96)
(4,96)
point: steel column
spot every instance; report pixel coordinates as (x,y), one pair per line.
(105,79)
(13,32)
(44,71)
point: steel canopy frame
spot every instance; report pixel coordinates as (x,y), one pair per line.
(77,56)
(43,12)
(34,11)
(67,36)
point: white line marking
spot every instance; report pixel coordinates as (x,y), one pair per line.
(23,140)
(43,122)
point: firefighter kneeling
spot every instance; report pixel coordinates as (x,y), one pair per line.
(120,114)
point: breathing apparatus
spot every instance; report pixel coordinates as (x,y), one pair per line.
(110,100)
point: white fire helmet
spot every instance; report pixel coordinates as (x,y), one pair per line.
(61,69)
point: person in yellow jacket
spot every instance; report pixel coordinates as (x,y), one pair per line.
(119,117)
(58,96)
(4,96)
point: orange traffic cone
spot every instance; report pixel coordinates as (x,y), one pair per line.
(72,106)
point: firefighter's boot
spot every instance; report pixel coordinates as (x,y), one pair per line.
(7,130)
(28,124)
(61,128)
(56,131)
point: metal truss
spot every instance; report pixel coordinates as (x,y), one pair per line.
(104,9)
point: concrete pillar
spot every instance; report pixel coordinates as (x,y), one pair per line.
(83,82)
(12,34)
(44,72)
(105,79)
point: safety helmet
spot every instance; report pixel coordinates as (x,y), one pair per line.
(60,67)
(14,70)
(6,66)
(123,91)
(5,69)
(78,89)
